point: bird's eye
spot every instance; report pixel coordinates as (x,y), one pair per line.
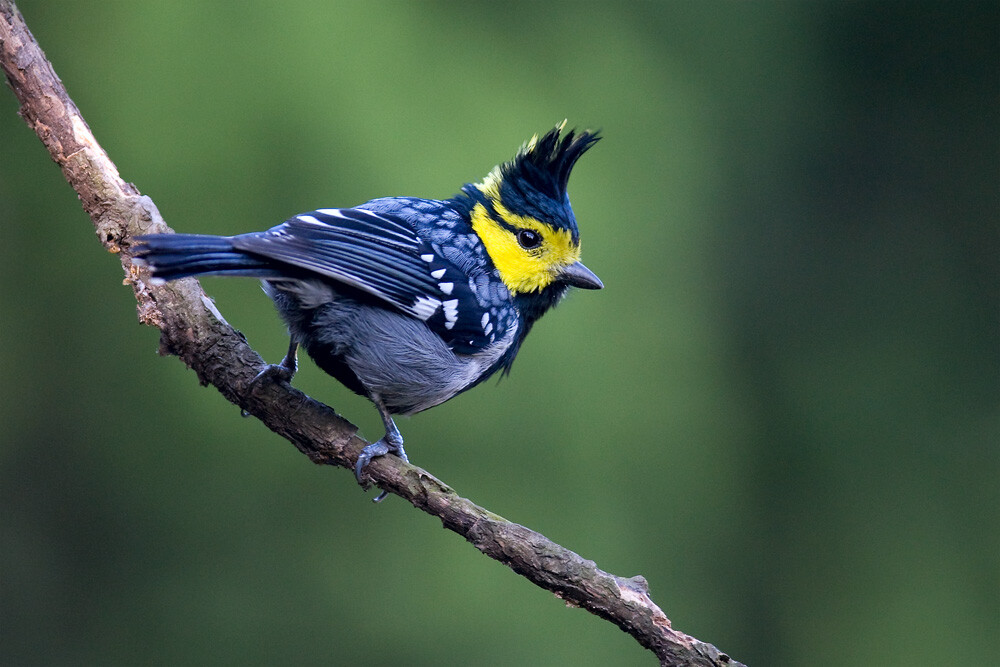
(529,239)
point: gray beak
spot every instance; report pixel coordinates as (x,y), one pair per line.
(578,275)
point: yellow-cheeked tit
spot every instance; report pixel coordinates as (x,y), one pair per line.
(410,301)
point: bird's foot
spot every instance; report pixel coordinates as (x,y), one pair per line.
(274,373)
(387,445)
(283,372)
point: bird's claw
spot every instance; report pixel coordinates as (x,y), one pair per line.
(283,372)
(374,450)
(273,373)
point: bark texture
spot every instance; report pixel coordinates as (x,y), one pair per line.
(192,329)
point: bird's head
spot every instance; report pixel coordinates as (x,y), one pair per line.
(521,213)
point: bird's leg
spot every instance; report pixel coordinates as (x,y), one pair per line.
(391,443)
(282,372)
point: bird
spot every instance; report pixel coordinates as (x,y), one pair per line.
(404,300)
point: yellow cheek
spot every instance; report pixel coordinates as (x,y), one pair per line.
(523,270)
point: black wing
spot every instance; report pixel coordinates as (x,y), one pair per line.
(383,256)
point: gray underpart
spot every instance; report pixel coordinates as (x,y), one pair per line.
(395,356)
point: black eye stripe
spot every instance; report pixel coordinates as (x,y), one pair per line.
(529,238)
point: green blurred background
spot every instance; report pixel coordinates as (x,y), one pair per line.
(783,410)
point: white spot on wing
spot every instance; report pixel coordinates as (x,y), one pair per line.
(439,273)
(485,321)
(426,306)
(450,313)
(329,211)
(427,258)
(488,329)
(446,287)
(312,220)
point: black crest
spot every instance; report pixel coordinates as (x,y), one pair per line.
(544,164)
(534,182)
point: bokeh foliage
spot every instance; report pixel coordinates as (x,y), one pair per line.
(784,410)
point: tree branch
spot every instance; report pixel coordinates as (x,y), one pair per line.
(193,329)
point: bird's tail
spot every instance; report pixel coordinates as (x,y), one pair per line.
(172,256)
